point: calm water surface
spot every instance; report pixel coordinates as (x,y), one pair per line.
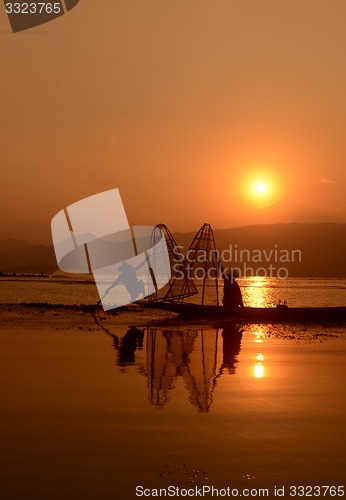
(257,292)
(93,414)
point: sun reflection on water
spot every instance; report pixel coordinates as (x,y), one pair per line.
(256,293)
(258,370)
(259,336)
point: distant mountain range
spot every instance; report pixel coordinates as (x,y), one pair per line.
(22,257)
(306,250)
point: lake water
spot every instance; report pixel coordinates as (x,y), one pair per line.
(91,415)
(95,410)
(256,291)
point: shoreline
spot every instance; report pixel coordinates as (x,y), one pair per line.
(60,316)
(55,317)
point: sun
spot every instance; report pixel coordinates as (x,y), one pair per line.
(260,188)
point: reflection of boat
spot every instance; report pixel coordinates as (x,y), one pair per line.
(192,355)
(257,314)
(231,341)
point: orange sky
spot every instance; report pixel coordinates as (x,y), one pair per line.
(179,104)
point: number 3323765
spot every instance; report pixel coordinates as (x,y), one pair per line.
(33,8)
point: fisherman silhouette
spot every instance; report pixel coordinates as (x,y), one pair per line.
(232,298)
(132,340)
(128,277)
(231,341)
(125,347)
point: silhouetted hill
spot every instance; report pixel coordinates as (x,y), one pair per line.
(21,257)
(318,250)
(7,245)
(322,247)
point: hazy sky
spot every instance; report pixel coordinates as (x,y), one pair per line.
(184,105)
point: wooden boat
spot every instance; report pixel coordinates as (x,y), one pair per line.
(279,314)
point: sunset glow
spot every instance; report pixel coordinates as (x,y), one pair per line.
(172,249)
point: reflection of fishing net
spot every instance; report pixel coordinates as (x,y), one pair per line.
(161,374)
(189,354)
(200,373)
(180,285)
